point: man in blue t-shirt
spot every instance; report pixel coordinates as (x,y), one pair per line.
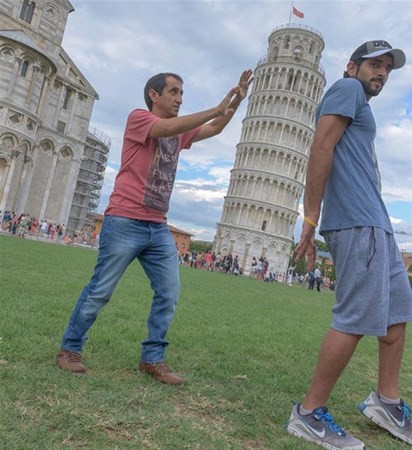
(373,295)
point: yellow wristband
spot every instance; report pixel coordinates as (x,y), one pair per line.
(310,222)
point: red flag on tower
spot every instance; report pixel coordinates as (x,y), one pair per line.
(298,13)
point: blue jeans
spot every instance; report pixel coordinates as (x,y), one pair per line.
(121,241)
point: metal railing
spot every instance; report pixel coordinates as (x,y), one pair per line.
(297,25)
(98,134)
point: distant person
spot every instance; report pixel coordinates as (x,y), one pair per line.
(290,275)
(134,226)
(318,279)
(311,280)
(6,220)
(253,265)
(373,295)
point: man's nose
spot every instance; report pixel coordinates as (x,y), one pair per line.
(383,72)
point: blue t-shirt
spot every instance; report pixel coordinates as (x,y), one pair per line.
(353,191)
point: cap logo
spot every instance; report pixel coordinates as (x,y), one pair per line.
(381,44)
(373,49)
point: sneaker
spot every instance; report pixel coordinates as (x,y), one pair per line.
(161,372)
(70,361)
(319,427)
(394,418)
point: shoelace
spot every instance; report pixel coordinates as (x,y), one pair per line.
(324,416)
(163,367)
(73,357)
(406,410)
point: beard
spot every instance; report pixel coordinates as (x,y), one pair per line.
(369,90)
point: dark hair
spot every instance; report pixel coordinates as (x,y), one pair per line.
(358,63)
(158,83)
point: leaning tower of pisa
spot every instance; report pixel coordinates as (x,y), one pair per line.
(267,179)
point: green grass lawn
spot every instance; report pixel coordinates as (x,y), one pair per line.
(246,349)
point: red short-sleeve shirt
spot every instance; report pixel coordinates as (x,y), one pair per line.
(147,172)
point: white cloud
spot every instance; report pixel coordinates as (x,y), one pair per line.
(396,221)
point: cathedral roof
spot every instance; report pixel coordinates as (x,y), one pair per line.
(22,38)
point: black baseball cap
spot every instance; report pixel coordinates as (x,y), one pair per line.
(373,49)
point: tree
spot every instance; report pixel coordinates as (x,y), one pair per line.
(200,246)
(301,267)
(321,246)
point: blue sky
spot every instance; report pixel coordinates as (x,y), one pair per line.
(118,45)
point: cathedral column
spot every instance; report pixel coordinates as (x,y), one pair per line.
(43,95)
(247,215)
(239,214)
(59,104)
(287,107)
(292,85)
(9,178)
(311,90)
(295,139)
(69,192)
(232,246)
(262,183)
(277,80)
(24,185)
(282,128)
(218,244)
(73,109)
(270,221)
(35,71)
(13,80)
(245,256)
(49,181)
(300,83)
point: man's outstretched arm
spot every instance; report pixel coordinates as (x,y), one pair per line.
(176,125)
(328,133)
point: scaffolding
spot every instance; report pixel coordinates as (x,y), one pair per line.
(89,181)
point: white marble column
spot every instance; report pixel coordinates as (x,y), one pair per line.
(9,178)
(24,185)
(68,195)
(49,181)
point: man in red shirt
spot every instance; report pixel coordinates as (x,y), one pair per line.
(135,223)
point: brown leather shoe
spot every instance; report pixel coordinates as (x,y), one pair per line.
(70,361)
(161,372)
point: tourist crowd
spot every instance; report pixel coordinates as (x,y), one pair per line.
(22,225)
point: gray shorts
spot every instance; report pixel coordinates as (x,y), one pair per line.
(373,290)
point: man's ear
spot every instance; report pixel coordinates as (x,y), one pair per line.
(351,69)
(153,94)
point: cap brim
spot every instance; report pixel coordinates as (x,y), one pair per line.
(399,57)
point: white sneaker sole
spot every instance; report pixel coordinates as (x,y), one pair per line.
(298,433)
(369,412)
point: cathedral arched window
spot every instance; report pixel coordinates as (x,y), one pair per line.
(23,68)
(47,146)
(67,99)
(27,11)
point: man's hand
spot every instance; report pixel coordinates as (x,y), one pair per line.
(244,82)
(225,106)
(224,111)
(234,97)
(307,246)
